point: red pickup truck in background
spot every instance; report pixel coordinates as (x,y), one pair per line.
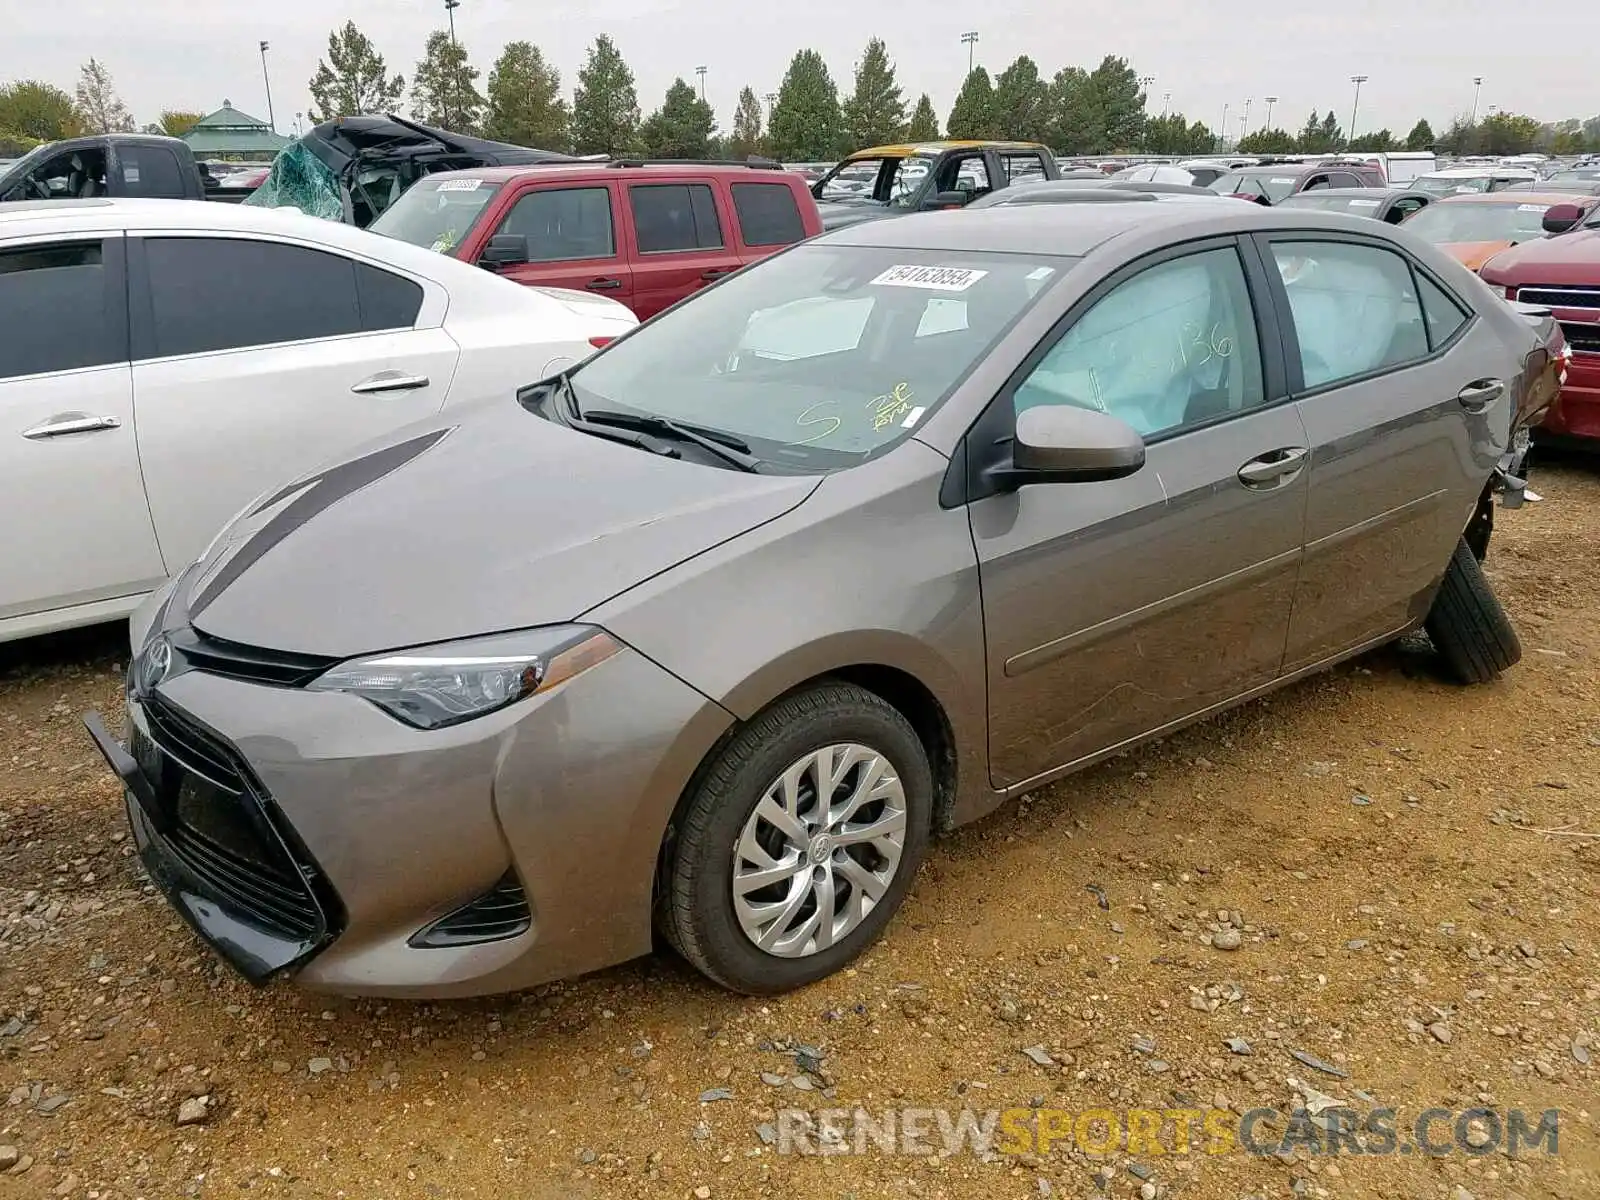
(1562,273)
(644,233)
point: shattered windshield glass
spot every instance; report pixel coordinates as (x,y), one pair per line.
(299,179)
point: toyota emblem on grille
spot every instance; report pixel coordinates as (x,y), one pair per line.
(154,665)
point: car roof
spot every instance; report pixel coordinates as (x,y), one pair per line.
(1367,193)
(606,168)
(1534,197)
(1070,229)
(902,149)
(1484,169)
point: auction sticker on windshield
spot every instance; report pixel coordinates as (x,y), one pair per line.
(1363,204)
(936,279)
(460,185)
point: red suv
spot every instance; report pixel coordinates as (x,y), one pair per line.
(644,233)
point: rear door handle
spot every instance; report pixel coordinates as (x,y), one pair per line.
(717,272)
(603,285)
(390,381)
(1273,468)
(1480,394)
(64,424)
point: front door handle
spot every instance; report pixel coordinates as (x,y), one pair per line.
(603,285)
(1273,468)
(390,381)
(717,272)
(63,424)
(1480,394)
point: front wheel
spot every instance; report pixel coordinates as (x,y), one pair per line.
(1468,626)
(799,842)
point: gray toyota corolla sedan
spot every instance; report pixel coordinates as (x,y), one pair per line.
(710,634)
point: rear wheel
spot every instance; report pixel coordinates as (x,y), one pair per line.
(799,842)
(1467,624)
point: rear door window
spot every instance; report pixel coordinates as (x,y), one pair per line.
(59,309)
(1023,165)
(1441,311)
(672,217)
(213,294)
(563,224)
(150,171)
(768,214)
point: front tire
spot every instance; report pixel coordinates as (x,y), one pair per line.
(799,841)
(1468,626)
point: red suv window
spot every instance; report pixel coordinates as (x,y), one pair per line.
(675,216)
(768,214)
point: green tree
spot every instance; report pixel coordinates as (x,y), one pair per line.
(444,90)
(525,105)
(33,111)
(353,79)
(1420,137)
(1077,121)
(1332,136)
(806,121)
(875,113)
(1462,137)
(746,138)
(1565,137)
(924,125)
(973,114)
(1509,133)
(1121,102)
(100,109)
(1378,141)
(1320,135)
(605,106)
(682,127)
(1268,141)
(1022,102)
(176,122)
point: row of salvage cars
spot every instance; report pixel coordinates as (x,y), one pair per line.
(524,655)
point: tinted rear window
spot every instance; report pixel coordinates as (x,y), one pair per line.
(150,171)
(768,214)
(675,216)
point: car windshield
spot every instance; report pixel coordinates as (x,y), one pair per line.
(1479,221)
(1577,175)
(1357,206)
(825,355)
(1456,185)
(1274,187)
(436,213)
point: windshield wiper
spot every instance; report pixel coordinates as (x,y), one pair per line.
(612,433)
(725,446)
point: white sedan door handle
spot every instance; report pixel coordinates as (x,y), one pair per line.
(390,381)
(63,424)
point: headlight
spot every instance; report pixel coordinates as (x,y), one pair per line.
(435,686)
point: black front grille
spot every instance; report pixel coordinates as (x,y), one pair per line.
(216,656)
(213,822)
(500,913)
(1581,339)
(1560,297)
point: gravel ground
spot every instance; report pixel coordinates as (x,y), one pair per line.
(1401,864)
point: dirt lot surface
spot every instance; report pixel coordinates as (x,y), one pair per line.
(1401,862)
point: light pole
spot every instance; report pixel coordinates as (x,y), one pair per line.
(1358,80)
(450,7)
(1144,83)
(1477,90)
(701,71)
(970,41)
(772,103)
(1271,100)
(1244,126)
(1222,132)
(267,79)
(298,117)
(1166,103)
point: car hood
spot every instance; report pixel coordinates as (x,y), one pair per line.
(836,214)
(1565,258)
(1473,255)
(494,519)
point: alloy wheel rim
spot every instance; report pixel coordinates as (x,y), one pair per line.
(819,851)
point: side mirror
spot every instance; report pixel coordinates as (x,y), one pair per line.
(950,200)
(505,250)
(1559,218)
(1062,443)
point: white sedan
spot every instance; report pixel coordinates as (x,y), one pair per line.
(162,363)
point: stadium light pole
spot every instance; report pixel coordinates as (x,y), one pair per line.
(701,71)
(1271,100)
(267,79)
(1358,80)
(970,41)
(1477,90)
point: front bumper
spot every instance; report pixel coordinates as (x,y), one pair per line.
(1575,416)
(389,829)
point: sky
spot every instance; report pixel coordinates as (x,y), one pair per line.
(1535,56)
